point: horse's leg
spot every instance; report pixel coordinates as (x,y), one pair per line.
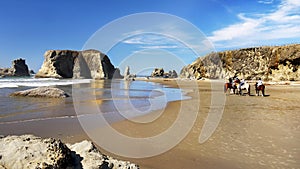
(263,92)
(248,90)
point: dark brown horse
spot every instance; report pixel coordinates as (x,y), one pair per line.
(260,88)
(229,86)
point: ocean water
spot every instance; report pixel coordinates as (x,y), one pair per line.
(117,99)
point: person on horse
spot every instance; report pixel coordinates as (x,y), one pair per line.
(259,82)
(230,80)
(242,82)
(236,81)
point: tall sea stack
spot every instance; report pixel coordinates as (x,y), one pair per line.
(77,64)
(19,68)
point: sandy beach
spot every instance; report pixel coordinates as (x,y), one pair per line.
(254,132)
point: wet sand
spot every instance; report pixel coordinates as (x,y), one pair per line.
(254,132)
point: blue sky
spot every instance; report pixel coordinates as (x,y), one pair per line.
(30,27)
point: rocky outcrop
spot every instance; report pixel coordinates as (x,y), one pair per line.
(127,75)
(77,64)
(49,92)
(157,72)
(93,158)
(19,68)
(172,74)
(270,63)
(28,151)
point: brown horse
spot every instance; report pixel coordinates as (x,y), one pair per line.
(229,86)
(260,88)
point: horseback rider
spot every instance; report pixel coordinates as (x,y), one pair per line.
(259,82)
(242,82)
(230,80)
(236,81)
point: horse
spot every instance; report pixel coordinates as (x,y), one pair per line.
(260,88)
(245,86)
(229,86)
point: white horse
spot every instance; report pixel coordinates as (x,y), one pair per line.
(245,86)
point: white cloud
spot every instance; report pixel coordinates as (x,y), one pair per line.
(266,1)
(152,41)
(282,23)
(172,36)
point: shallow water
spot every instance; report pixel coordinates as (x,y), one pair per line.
(113,97)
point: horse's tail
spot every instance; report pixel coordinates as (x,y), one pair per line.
(263,90)
(225,87)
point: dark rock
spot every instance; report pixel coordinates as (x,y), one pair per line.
(173,74)
(31,72)
(158,72)
(19,68)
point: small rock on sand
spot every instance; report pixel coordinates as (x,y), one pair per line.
(49,92)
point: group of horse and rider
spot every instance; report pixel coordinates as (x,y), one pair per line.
(236,84)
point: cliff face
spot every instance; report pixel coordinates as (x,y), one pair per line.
(19,68)
(270,63)
(77,64)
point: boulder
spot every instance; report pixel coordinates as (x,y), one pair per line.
(77,64)
(158,72)
(19,68)
(49,92)
(93,158)
(275,63)
(28,151)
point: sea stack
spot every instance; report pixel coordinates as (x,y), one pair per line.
(19,68)
(77,64)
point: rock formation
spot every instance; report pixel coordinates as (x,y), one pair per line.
(49,92)
(19,68)
(158,72)
(31,72)
(127,71)
(77,64)
(28,151)
(172,74)
(127,75)
(270,63)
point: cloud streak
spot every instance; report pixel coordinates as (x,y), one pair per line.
(266,1)
(255,29)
